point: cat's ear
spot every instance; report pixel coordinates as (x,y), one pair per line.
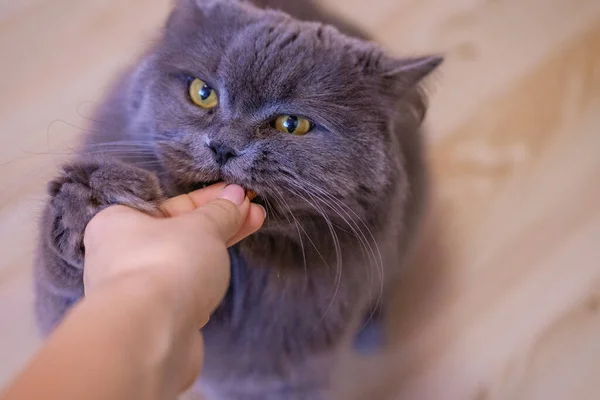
(198,9)
(409,71)
(204,4)
(197,3)
(401,73)
(187,15)
(207,5)
(184,12)
(402,78)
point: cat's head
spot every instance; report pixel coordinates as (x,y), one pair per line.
(295,111)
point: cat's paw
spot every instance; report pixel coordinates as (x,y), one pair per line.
(85,188)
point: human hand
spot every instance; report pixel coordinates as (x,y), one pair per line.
(194,228)
(181,256)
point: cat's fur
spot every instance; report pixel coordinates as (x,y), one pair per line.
(302,287)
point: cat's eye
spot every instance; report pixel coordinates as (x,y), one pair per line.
(203,95)
(293,124)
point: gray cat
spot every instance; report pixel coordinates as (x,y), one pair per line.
(322,125)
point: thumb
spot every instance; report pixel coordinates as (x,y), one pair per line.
(225,216)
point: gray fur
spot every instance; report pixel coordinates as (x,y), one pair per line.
(344,200)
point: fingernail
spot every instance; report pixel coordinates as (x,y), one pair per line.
(234,193)
(263,210)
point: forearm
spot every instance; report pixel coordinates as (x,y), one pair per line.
(117,344)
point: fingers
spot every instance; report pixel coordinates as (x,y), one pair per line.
(105,221)
(220,217)
(191,201)
(195,358)
(225,208)
(254,221)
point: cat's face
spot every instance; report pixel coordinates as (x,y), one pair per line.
(295,111)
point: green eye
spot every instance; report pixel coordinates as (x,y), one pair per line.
(203,95)
(293,124)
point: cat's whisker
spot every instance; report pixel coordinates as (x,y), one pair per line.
(299,233)
(126,148)
(52,123)
(149,163)
(271,210)
(95,121)
(321,212)
(344,206)
(85,130)
(124,151)
(283,210)
(132,142)
(337,247)
(377,260)
(354,231)
(364,245)
(358,232)
(42,153)
(309,238)
(349,210)
(118,145)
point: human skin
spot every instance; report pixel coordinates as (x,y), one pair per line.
(151,284)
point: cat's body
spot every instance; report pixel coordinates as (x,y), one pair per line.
(304,285)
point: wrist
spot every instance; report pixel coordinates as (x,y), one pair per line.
(147,290)
(168,325)
(150,320)
(133,321)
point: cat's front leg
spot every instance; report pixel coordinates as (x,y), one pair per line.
(82,189)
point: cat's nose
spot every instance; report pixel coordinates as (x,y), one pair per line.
(223,153)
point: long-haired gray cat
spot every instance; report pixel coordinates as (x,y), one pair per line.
(319,122)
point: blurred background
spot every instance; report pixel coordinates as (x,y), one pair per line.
(503,300)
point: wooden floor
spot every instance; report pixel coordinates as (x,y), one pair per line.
(504,299)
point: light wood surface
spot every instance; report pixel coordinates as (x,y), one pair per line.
(503,301)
